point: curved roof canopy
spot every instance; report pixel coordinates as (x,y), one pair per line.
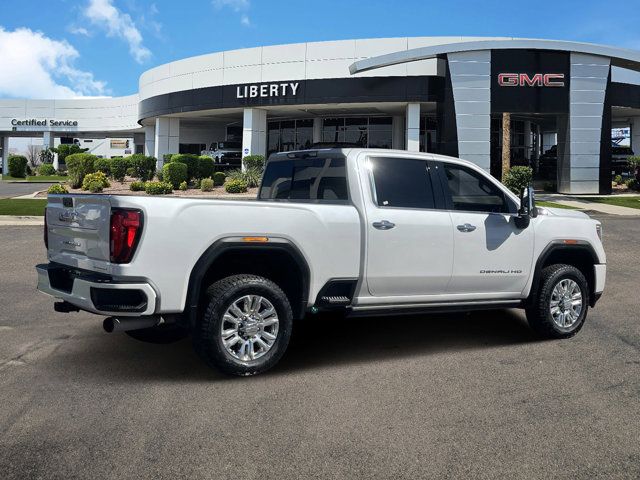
(620,57)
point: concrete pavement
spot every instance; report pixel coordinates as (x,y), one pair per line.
(583,203)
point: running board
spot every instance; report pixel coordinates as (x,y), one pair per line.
(440,307)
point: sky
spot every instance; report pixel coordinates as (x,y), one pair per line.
(68,49)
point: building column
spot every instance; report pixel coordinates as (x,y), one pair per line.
(635,135)
(166,138)
(5,155)
(150,141)
(254,132)
(317,130)
(397,136)
(527,139)
(412,139)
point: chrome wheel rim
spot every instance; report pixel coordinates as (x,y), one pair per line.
(566,303)
(249,328)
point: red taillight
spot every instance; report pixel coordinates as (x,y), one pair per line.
(46,231)
(126,226)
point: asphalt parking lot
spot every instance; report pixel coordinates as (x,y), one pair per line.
(455,396)
(14,189)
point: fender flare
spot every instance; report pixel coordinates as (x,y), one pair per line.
(223,246)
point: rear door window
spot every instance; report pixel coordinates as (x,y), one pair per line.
(402,182)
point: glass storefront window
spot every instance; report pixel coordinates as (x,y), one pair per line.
(288,135)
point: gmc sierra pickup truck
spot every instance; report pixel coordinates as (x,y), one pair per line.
(363,232)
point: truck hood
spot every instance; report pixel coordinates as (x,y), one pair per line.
(563,212)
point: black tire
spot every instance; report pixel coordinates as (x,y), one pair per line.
(538,313)
(162,334)
(207,336)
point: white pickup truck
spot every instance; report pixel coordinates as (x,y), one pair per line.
(365,232)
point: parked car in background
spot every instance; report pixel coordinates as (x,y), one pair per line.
(227,153)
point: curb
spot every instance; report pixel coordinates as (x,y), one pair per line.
(17,220)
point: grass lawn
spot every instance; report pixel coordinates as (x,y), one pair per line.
(554,205)
(37,178)
(12,206)
(631,202)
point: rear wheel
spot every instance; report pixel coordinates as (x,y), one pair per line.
(560,307)
(246,326)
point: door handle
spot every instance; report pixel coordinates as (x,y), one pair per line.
(383,225)
(467,227)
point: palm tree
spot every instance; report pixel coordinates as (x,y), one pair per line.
(506,144)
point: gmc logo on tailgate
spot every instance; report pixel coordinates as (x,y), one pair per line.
(536,80)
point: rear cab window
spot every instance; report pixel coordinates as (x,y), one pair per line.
(315,177)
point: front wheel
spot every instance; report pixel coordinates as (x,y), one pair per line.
(560,306)
(246,325)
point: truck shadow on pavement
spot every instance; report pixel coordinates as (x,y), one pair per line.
(318,342)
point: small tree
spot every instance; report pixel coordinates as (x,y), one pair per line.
(65,150)
(33,155)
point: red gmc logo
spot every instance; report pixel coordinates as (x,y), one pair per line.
(537,80)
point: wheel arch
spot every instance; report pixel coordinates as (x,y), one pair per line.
(224,257)
(580,255)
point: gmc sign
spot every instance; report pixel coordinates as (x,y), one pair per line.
(536,80)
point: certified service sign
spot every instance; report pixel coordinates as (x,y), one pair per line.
(33,122)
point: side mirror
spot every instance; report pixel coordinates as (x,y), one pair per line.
(527,209)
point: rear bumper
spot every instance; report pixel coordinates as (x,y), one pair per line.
(96,293)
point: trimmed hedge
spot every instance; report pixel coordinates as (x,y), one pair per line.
(183,186)
(206,185)
(191,161)
(57,189)
(219,178)
(119,167)
(254,161)
(102,165)
(518,178)
(205,166)
(79,165)
(18,166)
(144,167)
(175,173)
(46,169)
(236,186)
(158,188)
(95,182)
(137,186)
(166,158)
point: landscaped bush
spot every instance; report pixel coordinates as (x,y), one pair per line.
(66,150)
(46,169)
(17,166)
(102,165)
(634,166)
(174,173)
(158,188)
(137,186)
(166,158)
(159,175)
(631,183)
(206,184)
(57,189)
(95,182)
(191,161)
(79,165)
(205,166)
(144,167)
(183,186)
(251,176)
(617,180)
(118,168)
(518,178)
(254,161)
(236,186)
(219,178)
(131,172)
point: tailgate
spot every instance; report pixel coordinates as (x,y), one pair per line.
(78,230)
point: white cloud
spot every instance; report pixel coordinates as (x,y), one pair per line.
(78,31)
(238,6)
(36,66)
(104,15)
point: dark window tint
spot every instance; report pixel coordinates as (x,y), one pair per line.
(470,191)
(305,179)
(402,182)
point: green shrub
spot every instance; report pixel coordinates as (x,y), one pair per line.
(236,186)
(205,166)
(191,161)
(144,167)
(118,168)
(183,186)
(219,178)
(79,165)
(91,180)
(158,188)
(66,150)
(254,161)
(160,175)
(631,183)
(166,158)
(57,189)
(131,172)
(206,184)
(518,178)
(137,186)
(251,176)
(17,166)
(29,171)
(617,180)
(46,169)
(175,173)
(102,165)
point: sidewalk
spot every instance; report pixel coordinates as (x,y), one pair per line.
(581,202)
(15,220)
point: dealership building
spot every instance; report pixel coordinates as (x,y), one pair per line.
(443,95)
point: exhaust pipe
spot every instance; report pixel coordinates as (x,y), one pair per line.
(124,324)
